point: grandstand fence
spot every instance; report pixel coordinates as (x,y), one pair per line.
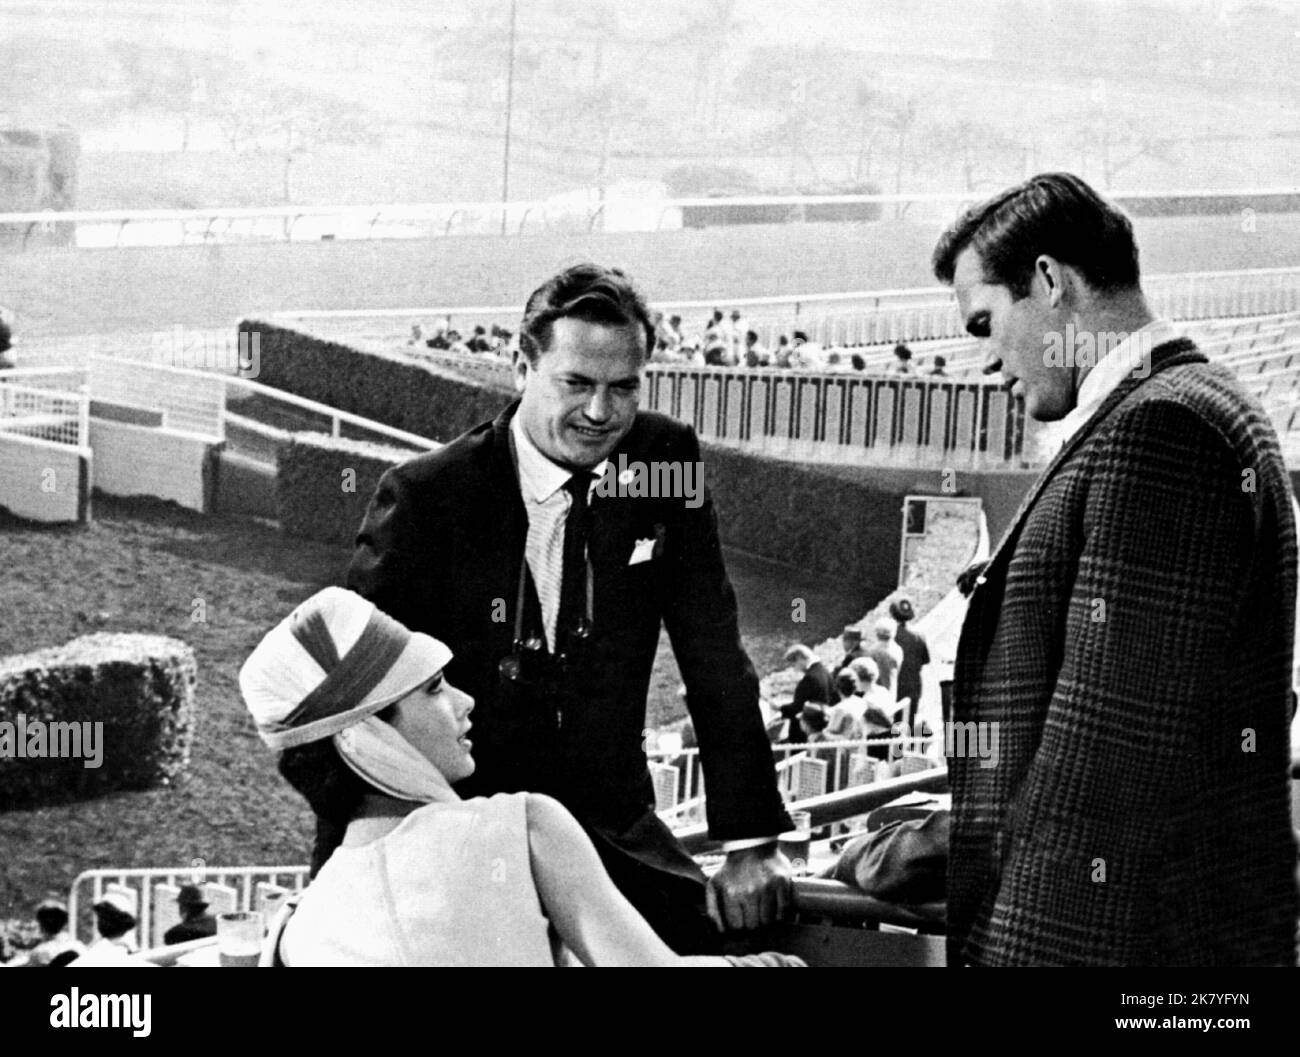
(890,420)
(153,892)
(679,778)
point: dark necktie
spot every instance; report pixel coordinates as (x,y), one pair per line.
(572,618)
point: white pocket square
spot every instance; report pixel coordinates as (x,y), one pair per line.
(642,552)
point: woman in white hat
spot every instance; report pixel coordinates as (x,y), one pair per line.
(373,736)
(115,922)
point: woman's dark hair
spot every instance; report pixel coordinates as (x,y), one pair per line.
(112,923)
(52,920)
(590,292)
(814,718)
(1056,214)
(332,789)
(846,683)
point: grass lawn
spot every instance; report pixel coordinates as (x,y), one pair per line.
(140,566)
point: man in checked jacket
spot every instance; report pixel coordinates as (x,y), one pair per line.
(1131,639)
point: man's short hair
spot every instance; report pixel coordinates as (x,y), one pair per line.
(865,669)
(1053,213)
(590,292)
(799,652)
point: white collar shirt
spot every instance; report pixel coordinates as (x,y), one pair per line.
(1133,353)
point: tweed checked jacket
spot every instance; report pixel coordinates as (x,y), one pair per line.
(1132,639)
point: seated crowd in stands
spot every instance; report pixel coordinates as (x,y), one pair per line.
(496,341)
(726,341)
(730,342)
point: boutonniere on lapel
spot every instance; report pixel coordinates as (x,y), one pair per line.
(649,548)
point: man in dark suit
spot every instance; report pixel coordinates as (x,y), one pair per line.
(196,923)
(815,686)
(916,655)
(851,641)
(546,548)
(1129,643)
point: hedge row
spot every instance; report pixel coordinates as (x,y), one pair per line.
(784,511)
(323,484)
(389,387)
(139,687)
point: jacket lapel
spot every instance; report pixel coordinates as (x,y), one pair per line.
(613,515)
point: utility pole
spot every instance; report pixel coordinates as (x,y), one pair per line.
(510,102)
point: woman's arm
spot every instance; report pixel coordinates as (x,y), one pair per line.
(593,918)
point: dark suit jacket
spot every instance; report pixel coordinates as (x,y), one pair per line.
(1132,640)
(814,685)
(184,931)
(441,549)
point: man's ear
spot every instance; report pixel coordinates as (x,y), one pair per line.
(522,367)
(1051,280)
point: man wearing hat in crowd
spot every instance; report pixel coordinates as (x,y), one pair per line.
(114,920)
(551,588)
(57,947)
(916,655)
(851,641)
(196,923)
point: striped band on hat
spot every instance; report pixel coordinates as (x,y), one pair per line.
(331,663)
(350,679)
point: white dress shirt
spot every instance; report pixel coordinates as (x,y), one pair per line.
(541,483)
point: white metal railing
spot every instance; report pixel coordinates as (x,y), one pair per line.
(188,399)
(90,886)
(597,209)
(216,350)
(904,420)
(44,414)
(62,377)
(839,755)
(331,418)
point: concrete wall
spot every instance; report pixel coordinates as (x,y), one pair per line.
(136,460)
(43,481)
(75,291)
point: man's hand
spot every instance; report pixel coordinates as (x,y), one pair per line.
(752,889)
